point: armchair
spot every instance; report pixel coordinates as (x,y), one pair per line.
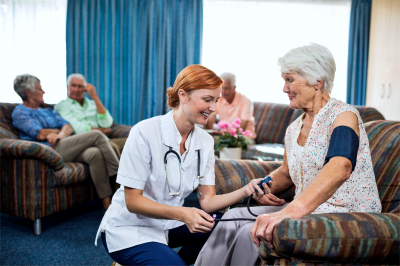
(35,180)
(340,238)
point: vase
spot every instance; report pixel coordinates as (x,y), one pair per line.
(230,153)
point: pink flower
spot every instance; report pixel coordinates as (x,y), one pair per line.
(240,130)
(247,133)
(232,131)
(223,125)
(235,135)
(236,123)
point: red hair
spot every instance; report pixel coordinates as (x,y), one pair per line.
(193,77)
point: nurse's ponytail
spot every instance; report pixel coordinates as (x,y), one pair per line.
(193,77)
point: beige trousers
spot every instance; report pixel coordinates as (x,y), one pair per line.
(118,145)
(93,149)
(230,243)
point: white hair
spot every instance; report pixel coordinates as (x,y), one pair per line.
(25,82)
(76,76)
(229,76)
(313,62)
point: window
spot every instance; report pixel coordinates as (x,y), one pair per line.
(247,37)
(33,41)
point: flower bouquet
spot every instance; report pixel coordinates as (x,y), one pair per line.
(232,135)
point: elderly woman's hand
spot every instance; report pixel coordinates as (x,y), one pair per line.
(270,200)
(264,226)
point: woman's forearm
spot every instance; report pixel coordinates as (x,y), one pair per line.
(211,203)
(281,180)
(66,130)
(325,184)
(44,132)
(139,204)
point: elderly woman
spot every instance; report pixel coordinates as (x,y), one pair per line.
(45,126)
(326,157)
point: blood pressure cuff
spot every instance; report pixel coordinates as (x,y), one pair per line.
(344,143)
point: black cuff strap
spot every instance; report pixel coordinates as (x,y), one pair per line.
(344,143)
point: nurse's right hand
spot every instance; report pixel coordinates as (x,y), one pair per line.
(197,221)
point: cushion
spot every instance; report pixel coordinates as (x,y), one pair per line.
(369,114)
(384,138)
(271,121)
(6,125)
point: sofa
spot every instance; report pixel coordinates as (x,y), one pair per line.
(271,121)
(35,180)
(333,239)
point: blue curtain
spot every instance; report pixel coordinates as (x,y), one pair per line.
(357,65)
(132,50)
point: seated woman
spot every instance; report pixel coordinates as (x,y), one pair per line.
(44,125)
(327,158)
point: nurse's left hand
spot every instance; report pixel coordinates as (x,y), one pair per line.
(197,221)
(264,226)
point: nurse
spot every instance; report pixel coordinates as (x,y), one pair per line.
(164,160)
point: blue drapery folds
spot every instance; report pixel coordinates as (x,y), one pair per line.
(357,65)
(132,50)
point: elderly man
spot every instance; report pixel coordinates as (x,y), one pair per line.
(84,114)
(232,105)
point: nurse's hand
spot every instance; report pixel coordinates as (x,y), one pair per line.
(252,188)
(197,221)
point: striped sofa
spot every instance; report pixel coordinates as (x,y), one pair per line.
(35,180)
(334,239)
(271,121)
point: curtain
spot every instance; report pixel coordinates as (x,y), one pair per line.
(32,40)
(132,50)
(357,65)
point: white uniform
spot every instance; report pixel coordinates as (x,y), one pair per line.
(142,167)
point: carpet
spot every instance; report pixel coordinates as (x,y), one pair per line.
(67,238)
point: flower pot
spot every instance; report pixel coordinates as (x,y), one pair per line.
(230,153)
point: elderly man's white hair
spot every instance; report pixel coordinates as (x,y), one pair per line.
(229,76)
(314,62)
(76,76)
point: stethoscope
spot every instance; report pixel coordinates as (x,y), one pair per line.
(266,180)
(180,168)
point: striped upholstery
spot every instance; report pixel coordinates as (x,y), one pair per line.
(7,128)
(271,121)
(119,131)
(231,175)
(384,141)
(369,114)
(17,149)
(29,188)
(35,181)
(338,238)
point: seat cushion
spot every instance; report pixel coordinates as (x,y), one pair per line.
(372,238)
(384,142)
(264,152)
